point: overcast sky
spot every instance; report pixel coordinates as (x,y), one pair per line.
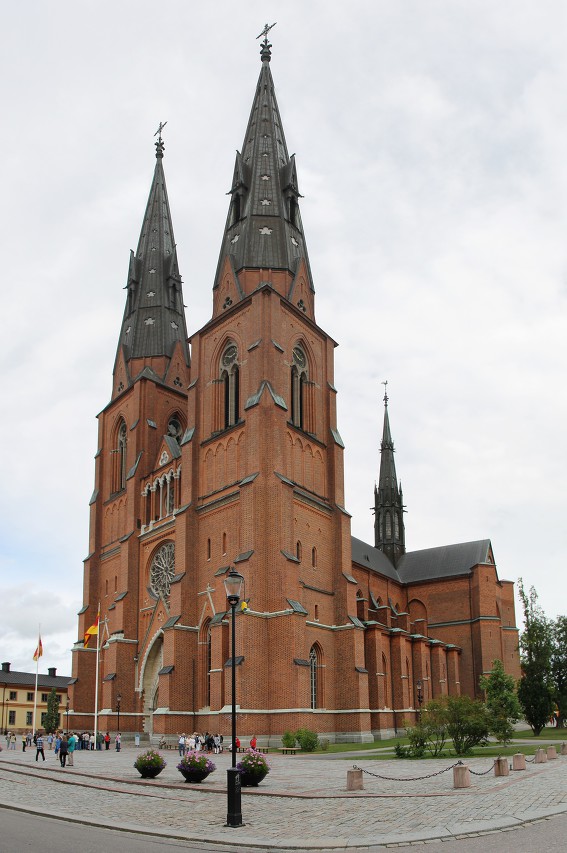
(431,141)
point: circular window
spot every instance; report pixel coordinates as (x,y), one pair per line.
(174,428)
(162,570)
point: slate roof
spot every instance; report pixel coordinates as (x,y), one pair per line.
(27,679)
(442,562)
(427,564)
(368,555)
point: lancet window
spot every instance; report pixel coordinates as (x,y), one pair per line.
(119,473)
(230,377)
(299,377)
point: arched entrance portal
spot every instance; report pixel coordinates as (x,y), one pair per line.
(150,683)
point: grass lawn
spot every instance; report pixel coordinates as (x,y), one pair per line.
(549,733)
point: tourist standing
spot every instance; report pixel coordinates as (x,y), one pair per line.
(107,741)
(181,744)
(39,747)
(63,750)
(117,741)
(71,744)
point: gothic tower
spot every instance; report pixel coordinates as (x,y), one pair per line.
(389,530)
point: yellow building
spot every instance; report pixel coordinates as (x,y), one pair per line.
(17,696)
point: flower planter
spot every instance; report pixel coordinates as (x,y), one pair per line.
(251,780)
(149,772)
(195,775)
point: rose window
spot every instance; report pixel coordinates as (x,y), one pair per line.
(162,570)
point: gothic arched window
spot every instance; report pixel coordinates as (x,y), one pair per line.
(299,377)
(315,677)
(119,478)
(231,380)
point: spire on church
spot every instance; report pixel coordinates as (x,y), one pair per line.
(154,316)
(389,532)
(263,229)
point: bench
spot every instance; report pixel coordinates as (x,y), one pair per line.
(288,750)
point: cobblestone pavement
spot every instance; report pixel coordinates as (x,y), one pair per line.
(301,804)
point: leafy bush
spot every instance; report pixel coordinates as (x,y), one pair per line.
(467,723)
(307,739)
(288,740)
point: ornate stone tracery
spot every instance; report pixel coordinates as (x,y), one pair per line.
(162,570)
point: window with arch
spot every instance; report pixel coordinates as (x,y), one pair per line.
(208,549)
(385,674)
(230,378)
(314,557)
(315,677)
(175,426)
(298,550)
(299,377)
(119,479)
(360,606)
(224,543)
(388,519)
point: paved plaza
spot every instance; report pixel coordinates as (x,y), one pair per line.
(303,803)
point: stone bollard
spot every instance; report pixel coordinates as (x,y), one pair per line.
(461,776)
(551,753)
(354,780)
(540,756)
(501,766)
(564,749)
(519,761)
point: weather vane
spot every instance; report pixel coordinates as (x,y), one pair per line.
(385,384)
(266,30)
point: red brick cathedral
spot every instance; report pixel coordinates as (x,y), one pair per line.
(223,449)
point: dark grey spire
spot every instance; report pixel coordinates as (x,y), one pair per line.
(263,228)
(154,317)
(389,532)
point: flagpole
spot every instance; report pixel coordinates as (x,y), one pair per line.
(36,677)
(96,681)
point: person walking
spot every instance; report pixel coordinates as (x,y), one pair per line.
(57,744)
(117,741)
(181,744)
(24,742)
(39,747)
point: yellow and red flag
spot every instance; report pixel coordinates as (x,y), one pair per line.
(39,651)
(92,631)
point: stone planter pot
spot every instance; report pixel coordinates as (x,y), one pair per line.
(251,780)
(149,772)
(194,776)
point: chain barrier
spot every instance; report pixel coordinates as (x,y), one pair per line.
(407,778)
(530,760)
(484,772)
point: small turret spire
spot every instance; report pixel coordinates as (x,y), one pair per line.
(389,532)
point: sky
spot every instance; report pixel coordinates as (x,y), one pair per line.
(430,140)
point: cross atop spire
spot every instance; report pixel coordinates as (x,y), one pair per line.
(265,52)
(160,147)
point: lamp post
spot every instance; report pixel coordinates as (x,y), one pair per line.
(233,585)
(118,701)
(67,709)
(419,686)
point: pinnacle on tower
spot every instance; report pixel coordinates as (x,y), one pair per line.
(389,531)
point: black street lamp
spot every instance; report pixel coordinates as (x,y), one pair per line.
(68,705)
(233,585)
(419,686)
(118,701)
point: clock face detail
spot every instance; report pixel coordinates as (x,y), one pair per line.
(162,570)
(299,357)
(229,355)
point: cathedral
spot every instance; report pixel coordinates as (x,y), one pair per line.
(222,449)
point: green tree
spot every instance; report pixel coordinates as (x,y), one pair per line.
(467,723)
(535,690)
(559,667)
(51,721)
(502,702)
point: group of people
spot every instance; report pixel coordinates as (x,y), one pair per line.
(63,743)
(200,743)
